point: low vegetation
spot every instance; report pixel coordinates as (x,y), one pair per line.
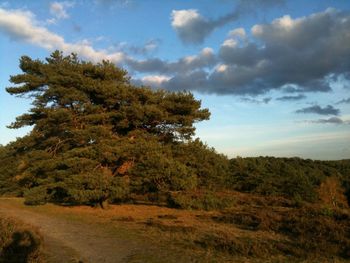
(19,243)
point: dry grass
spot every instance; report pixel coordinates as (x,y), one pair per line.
(331,193)
(265,230)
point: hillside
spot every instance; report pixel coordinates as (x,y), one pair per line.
(253,229)
(97,140)
(261,223)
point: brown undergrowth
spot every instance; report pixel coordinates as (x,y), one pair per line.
(252,229)
(19,243)
(250,233)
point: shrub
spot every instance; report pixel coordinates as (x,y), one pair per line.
(36,196)
(210,167)
(293,178)
(241,246)
(205,200)
(310,230)
(119,190)
(19,243)
(332,194)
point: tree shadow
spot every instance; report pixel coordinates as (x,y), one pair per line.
(23,246)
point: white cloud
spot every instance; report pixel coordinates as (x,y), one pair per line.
(189,59)
(230,43)
(181,18)
(221,68)
(154,80)
(235,37)
(238,32)
(151,45)
(22,25)
(190,26)
(301,52)
(51,21)
(287,52)
(257,30)
(205,59)
(207,51)
(59,9)
(285,22)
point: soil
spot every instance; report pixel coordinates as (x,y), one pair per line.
(69,241)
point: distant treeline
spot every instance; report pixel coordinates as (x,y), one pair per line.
(290,177)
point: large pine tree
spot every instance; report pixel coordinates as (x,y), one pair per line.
(97,137)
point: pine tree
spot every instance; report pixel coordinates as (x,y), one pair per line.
(95,135)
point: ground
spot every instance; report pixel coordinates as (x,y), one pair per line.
(253,230)
(74,235)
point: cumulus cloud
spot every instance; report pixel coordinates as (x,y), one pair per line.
(154,80)
(294,55)
(59,9)
(289,54)
(188,80)
(301,54)
(205,58)
(292,97)
(192,28)
(237,32)
(22,25)
(316,109)
(332,120)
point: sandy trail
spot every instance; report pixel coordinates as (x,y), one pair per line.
(67,241)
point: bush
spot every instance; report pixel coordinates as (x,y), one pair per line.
(310,230)
(156,168)
(36,196)
(19,243)
(205,200)
(119,190)
(318,231)
(293,178)
(241,246)
(210,167)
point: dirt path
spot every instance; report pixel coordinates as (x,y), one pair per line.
(67,241)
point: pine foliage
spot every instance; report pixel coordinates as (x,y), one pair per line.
(97,137)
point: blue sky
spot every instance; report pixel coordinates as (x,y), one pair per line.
(274,74)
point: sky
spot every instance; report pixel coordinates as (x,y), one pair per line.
(275,74)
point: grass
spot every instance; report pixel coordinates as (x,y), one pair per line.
(253,230)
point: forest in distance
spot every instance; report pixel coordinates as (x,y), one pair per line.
(97,139)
